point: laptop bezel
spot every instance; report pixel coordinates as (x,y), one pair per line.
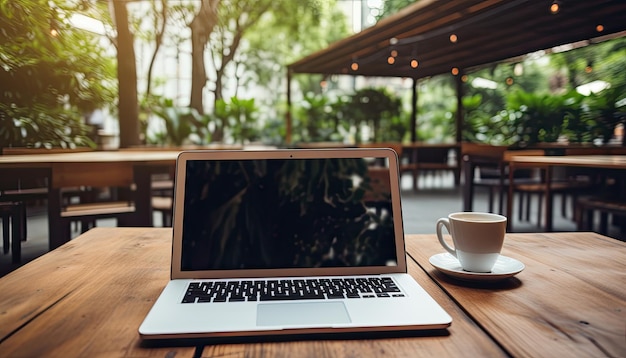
(177,225)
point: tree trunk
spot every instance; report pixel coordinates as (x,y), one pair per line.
(128,105)
(201,27)
(158,41)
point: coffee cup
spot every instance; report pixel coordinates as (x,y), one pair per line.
(477,238)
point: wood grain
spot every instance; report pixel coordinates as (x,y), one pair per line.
(88,297)
(571,297)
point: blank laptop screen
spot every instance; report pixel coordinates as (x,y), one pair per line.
(287,213)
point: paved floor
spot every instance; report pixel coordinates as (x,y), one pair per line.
(436,198)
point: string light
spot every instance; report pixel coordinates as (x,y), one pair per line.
(453,38)
(455,71)
(394,53)
(509,81)
(391,60)
(555,7)
(354,66)
(599,28)
(414,63)
(464,78)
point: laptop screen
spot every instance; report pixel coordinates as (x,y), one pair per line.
(250,214)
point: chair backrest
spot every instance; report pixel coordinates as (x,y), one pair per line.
(93,175)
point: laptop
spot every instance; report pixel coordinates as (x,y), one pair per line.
(280,242)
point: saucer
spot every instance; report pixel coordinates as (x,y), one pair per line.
(504,267)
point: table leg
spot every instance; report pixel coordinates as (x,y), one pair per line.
(58,232)
(509,199)
(143,196)
(548,199)
(468,185)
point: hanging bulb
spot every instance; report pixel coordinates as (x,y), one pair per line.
(555,7)
(414,63)
(354,66)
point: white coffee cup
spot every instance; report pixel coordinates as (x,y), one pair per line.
(477,238)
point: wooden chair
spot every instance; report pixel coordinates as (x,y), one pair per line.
(490,162)
(165,206)
(566,188)
(162,189)
(403,162)
(588,206)
(495,179)
(113,185)
(33,183)
(431,158)
(17,191)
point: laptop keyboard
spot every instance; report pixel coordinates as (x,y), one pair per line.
(291,289)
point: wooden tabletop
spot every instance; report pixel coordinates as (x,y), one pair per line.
(570,299)
(589,161)
(88,298)
(131,156)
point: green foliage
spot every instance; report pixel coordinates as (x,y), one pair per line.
(541,103)
(316,119)
(337,119)
(606,109)
(436,109)
(180,122)
(272,34)
(371,107)
(51,76)
(184,125)
(547,117)
(481,126)
(238,117)
(540,116)
(242,115)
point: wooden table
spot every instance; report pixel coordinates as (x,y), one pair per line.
(93,168)
(88,298)
(547,163)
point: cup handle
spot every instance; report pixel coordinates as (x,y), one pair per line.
(440,224)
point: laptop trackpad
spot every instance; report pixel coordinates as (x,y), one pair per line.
(301,313)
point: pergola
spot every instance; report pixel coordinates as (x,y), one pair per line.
(432,37)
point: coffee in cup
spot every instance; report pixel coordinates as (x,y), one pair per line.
(477,238)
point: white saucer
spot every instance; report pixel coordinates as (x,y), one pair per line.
(504,267)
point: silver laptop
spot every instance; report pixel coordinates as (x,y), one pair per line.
(288,242)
